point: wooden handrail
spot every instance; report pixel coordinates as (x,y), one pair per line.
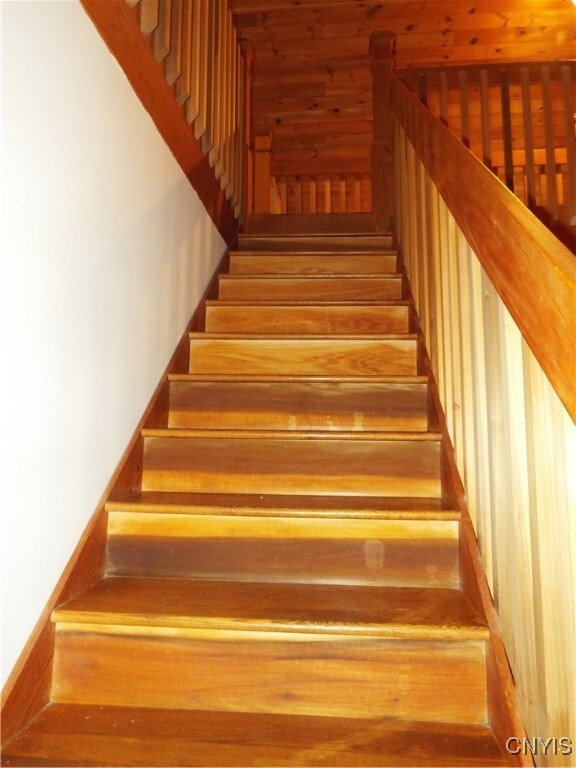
(534,274)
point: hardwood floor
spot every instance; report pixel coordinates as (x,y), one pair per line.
(282,583)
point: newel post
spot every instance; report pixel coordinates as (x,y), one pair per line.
(382,50)
(262,145)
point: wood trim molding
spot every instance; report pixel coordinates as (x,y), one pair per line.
(116,22)
(27,689)
(532,271)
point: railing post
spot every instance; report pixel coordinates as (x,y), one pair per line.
(247,148)
(262,144)
(382,49)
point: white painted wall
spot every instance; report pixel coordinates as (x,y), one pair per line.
(106,250)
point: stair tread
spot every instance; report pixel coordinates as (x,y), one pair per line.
(286,435)
(311,277)
(74,734)
(310,303)
(299,378)
(268,504)
(316,338)
(255,606)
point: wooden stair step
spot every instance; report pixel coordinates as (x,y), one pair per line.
(171,541)
(84,735)
(279,648)
(214,353)
(188,604)
(385,287)
(258,505)
(277,318)
(291,405)
(321,463)
(302,263)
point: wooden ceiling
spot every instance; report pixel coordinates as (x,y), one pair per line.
(312,85)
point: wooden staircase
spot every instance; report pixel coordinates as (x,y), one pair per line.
(284,587)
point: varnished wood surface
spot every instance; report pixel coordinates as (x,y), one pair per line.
(534,274)
(229,317)
(80,735)
(277,405)
(310,608)
(349,507)
(256,463)
(333,229)
(311,288)
(282,673)
(169,547)
(117,25)
(316,355)
(313,264)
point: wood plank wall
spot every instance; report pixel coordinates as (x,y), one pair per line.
(515,445)
(312,84)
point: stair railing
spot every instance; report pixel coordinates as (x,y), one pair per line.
(519,119)
(496,296)
(185,63)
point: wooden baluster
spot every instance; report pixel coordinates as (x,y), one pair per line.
(246,78)
(262,150)
(223,163)
(423,88)
(342,193)
(238,155)
(219,85)
(527,121)
(485,112)
(173,62)
(464,107)
(193,103)
(163,31)
(382,47)
(231,104)
(203,33)
(298,194)
(184,82)
(551,190)
(211,43)
(506,128)
(443,92)
(570,132)
(149,16)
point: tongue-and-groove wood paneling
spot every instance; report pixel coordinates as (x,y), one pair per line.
(312,82)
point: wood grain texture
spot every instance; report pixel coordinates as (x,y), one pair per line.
(311,288)
(65,734)
(537,265)
(315,355)
(288,464)
(277,405)
(222,317)
(351,677)
(273,550)
(118,27)
(315,264)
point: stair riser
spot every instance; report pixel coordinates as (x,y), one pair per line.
(388,553)
(320,264)
(273,673)
(347,467)
(306,357)
(306,320)
(325,406)
(317,289)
